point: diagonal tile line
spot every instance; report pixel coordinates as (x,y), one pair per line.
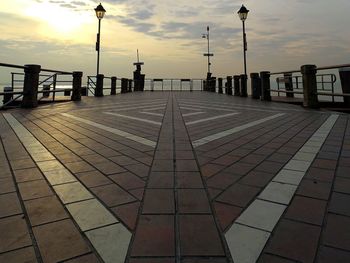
(152,113)
(251,231)
(222,134)
(113,130)
(211,118)
(95,221)
(193,113)
(133,118)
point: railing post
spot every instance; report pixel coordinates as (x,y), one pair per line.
(288,84)
(229,85)
(7,97)
(129,85)
(265,85)
(113,85)
(99,85)
(76,94)
(255,85)
(31,85)
(236,79)
(310,86)
(220,85)
(124,88)
(244,85)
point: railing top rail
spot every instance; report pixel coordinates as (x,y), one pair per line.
(318,68)
(57,71)
(11,66)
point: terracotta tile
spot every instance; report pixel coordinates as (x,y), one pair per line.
(213,193)
(226,160)
(26,255)
(343,171)
(226,214)
(30,174)
(253,158)
(138,193)
(144,242)
(127,214)
(123,160)
(112,195)
(59,241)
(159,201)
(257,178)
(45,210)
(189,180)
(307,210)
(90,258)
(210,169)
(239,195)
(342,185)
(320,174)
(163,155)
(128,180)
(222,180)
(22,164)
(240,168)
(328,254)
(138,169)
(9,205)
(204,260)
(315,189)
(186,166)
(14,233)
(294,240)
(339,204)
(269,167)
(163,166)
(199,236)
(34,189)
(161,180)
(265,258)
(7,186)
(79,167)
(280,157)
(93,178)
(153,260)
(184,155)
(337,232)
(193,201)
(109,168)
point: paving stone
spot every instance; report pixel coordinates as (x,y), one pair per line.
(90,214)
(164,155)
(163,166)
(204,260)
(325,164)
(307,210)
(186,166)
(240,168)
(342,185)
(315,189)
(306,157)
(93,178)
(159,201)
(193,201)
(14,233)
(50,165)
(127,214)
(90,258)
(278,193)
(289,177)
(22,164)
(25,255)
(128,180)
(245,243)
(7,186)
(269,167)
(95,158)
(34,189)
(163,245)
(328,254)
(59,241)
(56,177)
(79,167)
(138,193)
(72,192)
(123,160)
(226,214)
(199,236)
(266,258)
(161,180)
(226,160)
(257,178)
(280,157)
(25,175)
(339,204)
(68,157)
(222,180)
(188,180)
(153,260)
(210,169)
(140,170)
(42,156)
(343,171)
(9,205)
(320,174)
(112,195)
(239,195)
(294,240)
(262,215)
(297,165)
(184,155)
(45,210)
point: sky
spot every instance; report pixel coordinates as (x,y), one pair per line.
(281,35)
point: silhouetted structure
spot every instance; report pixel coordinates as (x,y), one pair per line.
(139,79)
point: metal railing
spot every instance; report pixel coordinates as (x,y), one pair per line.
(173,84)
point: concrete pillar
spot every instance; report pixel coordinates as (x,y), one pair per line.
(76,94)
(310,86)
(30,87)
(244,79)
(129,85)
(113,85)
(84,91)
(236,79)
(229,85)
(99,85)
(288,84)
(7,97)
(265,85)
(220,85)
(124,88)
(255,85)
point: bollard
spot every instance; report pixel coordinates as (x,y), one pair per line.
(310,86)
(236,80)
(220,85)
(204,85)
(7,97)
(255,85)
(30,87)
(229,85)
(213,84)
(84,91)
(124,88)
(99,85)
(76,94)
(288,84)
(265,85)
(243,82)
(129,85)
(113,85)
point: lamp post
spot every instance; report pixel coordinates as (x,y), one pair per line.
(207,36)
(100,12)
(243,14)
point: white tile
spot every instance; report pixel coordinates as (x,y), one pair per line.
(193,113)
(298,165)
(278,192)
(289,177)
(302,156)
(211,118)
(50,165)
(72,192)
(245,243)
(133,118)
(310,149)
(61,176)
(262,214)
(111,242)
(91,214)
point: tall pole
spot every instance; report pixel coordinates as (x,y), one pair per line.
(208,50)
(244,49)
(98,46)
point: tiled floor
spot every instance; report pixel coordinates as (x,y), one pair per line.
(174,177)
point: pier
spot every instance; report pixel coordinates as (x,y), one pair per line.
(165,177)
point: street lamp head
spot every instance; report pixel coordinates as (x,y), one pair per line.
(243,13)
(100,11)
(208,28)
(204,35)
